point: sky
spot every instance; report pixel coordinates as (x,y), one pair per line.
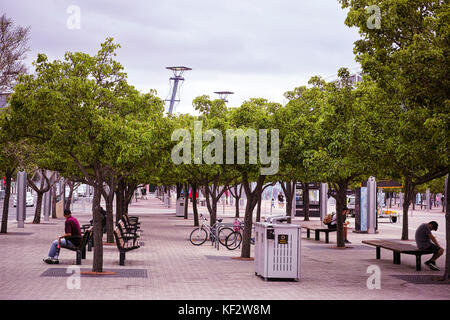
(254,48)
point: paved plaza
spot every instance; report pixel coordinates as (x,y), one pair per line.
(169,267)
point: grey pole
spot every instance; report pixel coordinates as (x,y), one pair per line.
(401,199)
(371,204)
(47,199)
(427,199)
(21,198)
(174,92)
(323,198)
(294,202)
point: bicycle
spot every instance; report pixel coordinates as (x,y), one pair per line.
(199,235)
(234,239)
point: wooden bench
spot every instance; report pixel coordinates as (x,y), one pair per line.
(317,228)
(125,242)
(127,230)
(398,248)
(81,249)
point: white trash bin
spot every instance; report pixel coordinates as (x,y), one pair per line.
(179,212)
(277,250)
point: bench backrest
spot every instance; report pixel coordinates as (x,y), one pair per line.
(122,227)
(118,235)
(125,219)
(87,235)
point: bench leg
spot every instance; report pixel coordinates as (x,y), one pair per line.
(396,257)
(418,262)
(83,253)
(378,253)
(308,233)
(78,257)
(122,259)
(327,237)
(317,236)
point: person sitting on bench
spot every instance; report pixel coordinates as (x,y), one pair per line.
(73,230)
(427,242)
(333,224)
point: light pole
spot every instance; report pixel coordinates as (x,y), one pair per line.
(175,82)
(223,95)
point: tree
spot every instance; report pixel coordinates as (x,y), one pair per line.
(45,184)
(251,117)
(408,57)
(83,108)
(297,123)
(13,47)
(347,138)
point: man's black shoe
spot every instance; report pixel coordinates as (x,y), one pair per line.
(51,261)
(432,265)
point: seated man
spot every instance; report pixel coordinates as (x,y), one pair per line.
(72,230)
(427,242)
(333,224)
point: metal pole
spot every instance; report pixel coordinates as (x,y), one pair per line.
(174,92)
(294,201)
(323,198)
(371,204)
(427,200)
(21,198)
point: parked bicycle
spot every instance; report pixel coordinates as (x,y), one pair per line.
(199,235)
(234,239)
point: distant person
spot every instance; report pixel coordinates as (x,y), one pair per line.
(281,200)
(72,230)
(427,242)
(103,213)
(333,224)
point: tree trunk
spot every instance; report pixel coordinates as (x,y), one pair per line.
(341,197)
(97,264)
(194,204)
(109,218)
(211,203)
(237,196)
(120,200)
(186,200)
(408,190)
(258,210)
(290,194)
(69,198)
(45,186)
(305,187)
(54,202)
(252,199)
(37,213)
(8,177)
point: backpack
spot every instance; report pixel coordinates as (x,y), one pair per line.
(328,218)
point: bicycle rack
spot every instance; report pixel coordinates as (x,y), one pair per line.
(218,227)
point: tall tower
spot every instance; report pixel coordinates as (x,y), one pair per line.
(223,95)
(174,84)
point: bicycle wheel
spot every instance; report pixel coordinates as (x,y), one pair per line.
(223,234)
(198,236)
(233,240)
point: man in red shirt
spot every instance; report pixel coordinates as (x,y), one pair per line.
(72,230)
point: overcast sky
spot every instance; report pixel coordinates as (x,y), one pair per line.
(255,48)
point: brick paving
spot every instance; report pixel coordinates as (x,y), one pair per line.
(178,270)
